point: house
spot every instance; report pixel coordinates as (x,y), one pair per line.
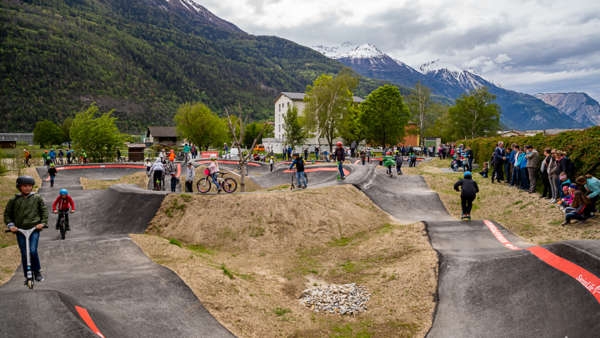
(283,103)
(166,136)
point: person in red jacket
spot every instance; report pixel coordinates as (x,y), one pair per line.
(63,202)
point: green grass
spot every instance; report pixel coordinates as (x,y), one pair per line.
(226,271)
(176,242)
(200,249)
(281,311)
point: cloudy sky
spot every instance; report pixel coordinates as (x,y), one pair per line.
(525,45)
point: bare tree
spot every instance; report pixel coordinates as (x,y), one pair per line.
(237,126)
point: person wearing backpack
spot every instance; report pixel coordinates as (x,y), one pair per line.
(300,177)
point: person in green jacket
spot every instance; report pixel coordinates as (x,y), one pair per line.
(388,162)
(27,210)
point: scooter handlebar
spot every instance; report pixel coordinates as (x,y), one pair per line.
(44,227)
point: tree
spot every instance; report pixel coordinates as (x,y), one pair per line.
(384,116)
(294,133)
(198,124)
(474,115)
(66,128)
(419,102)
(350,128)
(253,130)
(98,136)
(47,133)
(327,102)
(237,127)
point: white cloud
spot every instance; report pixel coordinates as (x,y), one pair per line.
(549,43)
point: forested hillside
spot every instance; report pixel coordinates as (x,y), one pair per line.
(142,58)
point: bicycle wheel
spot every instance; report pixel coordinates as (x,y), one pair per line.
(229,185)
(62,228)
(203,185)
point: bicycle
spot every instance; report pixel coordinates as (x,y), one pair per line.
(62,223)
(27,233)
(228,184)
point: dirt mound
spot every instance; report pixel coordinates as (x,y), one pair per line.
(248,257)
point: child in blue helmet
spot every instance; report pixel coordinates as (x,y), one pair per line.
(63,203)
(468,192)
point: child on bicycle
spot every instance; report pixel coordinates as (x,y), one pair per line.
(27,210)
(213,169)
(388,162)
(63,202)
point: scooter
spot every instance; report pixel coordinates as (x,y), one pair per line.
(27,233)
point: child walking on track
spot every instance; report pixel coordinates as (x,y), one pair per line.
(468,192)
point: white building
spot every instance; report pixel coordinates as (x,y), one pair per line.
(283,103)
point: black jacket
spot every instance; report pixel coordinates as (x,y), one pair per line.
(469,187)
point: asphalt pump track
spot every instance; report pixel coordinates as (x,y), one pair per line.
(490,284)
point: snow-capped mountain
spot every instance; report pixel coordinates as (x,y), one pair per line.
(518,110)
(197,13)
(579,106)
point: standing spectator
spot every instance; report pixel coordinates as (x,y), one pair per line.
(193,151)
(469,157)
(172,156)
(46,158)
(516,172)
(186,153)
(523,176)
(468,192)
(509,164)
(271,163)
(547,192)
(69,156)
(171,170)
(553,174)
(27,157)
(353,149)
(398,163)
(52,156)
(60,156)
(369,155)
(316,153)
(499,158)
(52,173)
(190,173)
(363,157)
(340,157)
(289,152)
(533,162)
(118,155)
(306,152)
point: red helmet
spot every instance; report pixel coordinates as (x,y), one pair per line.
(339,144)
(388,153)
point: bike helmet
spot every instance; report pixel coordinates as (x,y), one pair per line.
(63,192)
(467,174)
(25,180)
(339,144)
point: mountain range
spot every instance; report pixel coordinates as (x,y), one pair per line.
(519,110)
(144,58)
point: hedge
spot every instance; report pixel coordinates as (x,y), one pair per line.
(581,146)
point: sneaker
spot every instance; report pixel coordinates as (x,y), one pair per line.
(552,201)
(39,277)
